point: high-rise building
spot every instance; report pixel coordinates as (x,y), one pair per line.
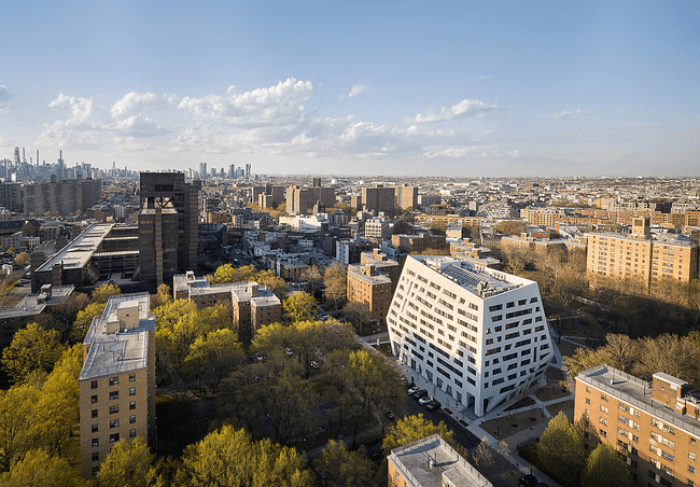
(478,334)
(117,382)
(168,226)
(378,199)
(654,426)
(640,256)
(247,171)
(371,286)
(406,196)
(202,170)
(300,200)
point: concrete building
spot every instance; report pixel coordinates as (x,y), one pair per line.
(640,256)
(117,382)
(383,264)
(654,426)
(348,251)
(406,197)
(168,226)
(478,334)
(300,200)
(418,243)
(377,229)
(372,286)
(431,462)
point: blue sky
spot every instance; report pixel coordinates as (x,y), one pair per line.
(450,88)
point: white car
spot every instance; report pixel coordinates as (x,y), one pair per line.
(288,351)
(314,364)
(425,400)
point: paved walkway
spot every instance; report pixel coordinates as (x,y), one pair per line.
(474,423)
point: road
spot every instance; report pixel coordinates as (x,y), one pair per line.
(461,434)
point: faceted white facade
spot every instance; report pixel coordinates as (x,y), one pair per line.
(478,334)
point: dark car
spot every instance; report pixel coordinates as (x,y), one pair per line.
(527,480)
(433,405)
(419,393)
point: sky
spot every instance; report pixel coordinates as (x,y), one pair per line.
(524,88)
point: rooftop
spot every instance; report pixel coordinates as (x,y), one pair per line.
(126,349)
(79,251)
(638,393)
(34,304)
(424,462)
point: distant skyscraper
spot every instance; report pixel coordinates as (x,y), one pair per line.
(202,170)
(37,158)
(232,171)
(15,162)
(247,171)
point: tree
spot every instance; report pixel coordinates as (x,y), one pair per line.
(129,464)
(32,349)
(102,293)
(39,469)
(21,259)
(587,431)
(605,467)
(360,312)
(84,320)
(482,454)
(344,467)
(228,273)
(214,356)
(510,227)
(413,428)
(336,281)
(162,296)
(561,449)
(229,457)
(299,307)
(16,414)
(273,282)
(62,316)
(313,276)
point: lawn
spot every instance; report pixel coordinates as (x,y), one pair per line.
(508,425)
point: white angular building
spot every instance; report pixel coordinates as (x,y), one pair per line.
(477,333)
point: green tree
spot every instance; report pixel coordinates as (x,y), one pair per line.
(229,457)
(21,259)
(228,273)
(32,349)
(561,449)
(102,293)
(413,428)
(336,281)
(16,414)
(299,307)
(129,464)
(39,469)
(84,320)
(162,296)
(344,467)
(272,282)
(605,467)
(214,356)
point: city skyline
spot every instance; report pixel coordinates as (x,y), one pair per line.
(516,89)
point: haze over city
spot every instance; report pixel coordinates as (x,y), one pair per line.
(359,88)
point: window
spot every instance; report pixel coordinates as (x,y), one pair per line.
(132,377)
(94,413)
(602,433)
(113,395)
(588,400)
(114,437)
(113,381)
(93,384)
(114,409)
(132,391)
(95,428)
(691,456)
(604,409)
(132,419)
(603,421)
(95,442)
(114,423)
(132,433)
(691,469)
(95,470)
(96,457)
(603,397)
(93,399)
(132,405)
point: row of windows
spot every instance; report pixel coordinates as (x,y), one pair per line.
(114,409)
(113,381)
(113,395)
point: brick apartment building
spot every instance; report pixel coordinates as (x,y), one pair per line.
(655,426)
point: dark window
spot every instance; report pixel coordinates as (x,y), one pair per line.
(113,381)
(95,428)
(93,399)
(95,442)
(132,419)
(114,423)
(114,437)
(132,405)
(132,433)
(96,457)
(114,409)
(93,384)
(95,470)
(132,377)
(113,395)
(94,413)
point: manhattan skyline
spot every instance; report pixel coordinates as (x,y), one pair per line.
(520,89)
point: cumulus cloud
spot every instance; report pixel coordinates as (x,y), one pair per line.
(280,104)
(463,109)
(567,114)
(81,108)
(354,91)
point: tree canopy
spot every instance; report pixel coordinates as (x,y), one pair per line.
(299,307)
(605,467)
(562,450)
(32,349)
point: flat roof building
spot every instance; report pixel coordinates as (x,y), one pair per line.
(478,334)
(117,381)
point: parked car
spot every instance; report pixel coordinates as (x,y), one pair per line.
(390,414)
(288,351)
(433,405)
(527,480)
(259,357)
(425,400)
(420,393)
(412,390)
(314,364)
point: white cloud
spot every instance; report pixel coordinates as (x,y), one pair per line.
(567,114)
(81,108)
(463,109)
(354,91)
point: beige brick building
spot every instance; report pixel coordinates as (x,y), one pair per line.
(655,427)
(639,256)
(117,382)
(368,284)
